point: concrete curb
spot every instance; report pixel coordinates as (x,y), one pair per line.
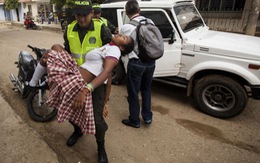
(19,142)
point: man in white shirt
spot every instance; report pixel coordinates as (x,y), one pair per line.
(139,74)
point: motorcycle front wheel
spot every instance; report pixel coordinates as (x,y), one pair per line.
(38,109)
(34,26)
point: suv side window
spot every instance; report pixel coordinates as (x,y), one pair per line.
(160,21)
(110,15)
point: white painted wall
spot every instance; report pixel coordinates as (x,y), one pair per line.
(2,14)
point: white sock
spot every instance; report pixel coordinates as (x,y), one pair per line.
(38,73)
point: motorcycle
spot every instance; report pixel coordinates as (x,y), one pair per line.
(36,102)
(29,24)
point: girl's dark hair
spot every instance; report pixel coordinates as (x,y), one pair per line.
(129,47)
(132,7)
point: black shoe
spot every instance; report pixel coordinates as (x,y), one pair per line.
(128,123)
(43,86)
(148,121)
(102,155)
(27,89)
(73,139)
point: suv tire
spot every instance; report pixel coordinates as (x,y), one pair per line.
(220,96)
(118,74)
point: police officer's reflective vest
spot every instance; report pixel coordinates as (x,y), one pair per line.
(104,20)
(91,40)
(101,19)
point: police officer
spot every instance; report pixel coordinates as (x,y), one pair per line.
(97,15)
(81,36)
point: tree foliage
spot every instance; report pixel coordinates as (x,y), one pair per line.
(10,4)
(69,3)
(58,3)
(98,1)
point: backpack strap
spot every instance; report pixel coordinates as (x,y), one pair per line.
(134,22)
(138,25)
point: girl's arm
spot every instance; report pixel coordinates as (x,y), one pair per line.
(109,64)
(107,94)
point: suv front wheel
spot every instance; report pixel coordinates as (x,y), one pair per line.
(220,96)
(118,73)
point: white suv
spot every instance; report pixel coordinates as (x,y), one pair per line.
(221,70)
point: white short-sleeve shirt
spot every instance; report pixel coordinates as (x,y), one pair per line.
(95,58)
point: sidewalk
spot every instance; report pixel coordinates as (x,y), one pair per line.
(18,141)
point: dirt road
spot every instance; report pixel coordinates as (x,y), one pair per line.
(179,132)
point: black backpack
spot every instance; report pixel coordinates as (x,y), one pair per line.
(149,39)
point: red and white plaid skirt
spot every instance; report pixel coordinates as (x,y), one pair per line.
(65,82)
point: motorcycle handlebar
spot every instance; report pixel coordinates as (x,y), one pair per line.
(37,51)
(29,46)
(33,48)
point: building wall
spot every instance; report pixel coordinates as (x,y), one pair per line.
(232,21)
(18,12)
(33,8)
(2,12)
(11,15)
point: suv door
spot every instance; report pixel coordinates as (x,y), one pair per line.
(169,64)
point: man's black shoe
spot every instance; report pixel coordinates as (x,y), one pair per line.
(128,123)
(148,121)
(73,139)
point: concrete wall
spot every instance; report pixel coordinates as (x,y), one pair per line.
(232,21)
(2,12)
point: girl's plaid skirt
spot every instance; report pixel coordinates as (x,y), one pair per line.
(65,82)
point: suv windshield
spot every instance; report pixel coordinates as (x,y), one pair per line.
(188,17)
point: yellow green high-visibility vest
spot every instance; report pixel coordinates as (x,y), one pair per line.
(91,41)
(104,20)
(101,19)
